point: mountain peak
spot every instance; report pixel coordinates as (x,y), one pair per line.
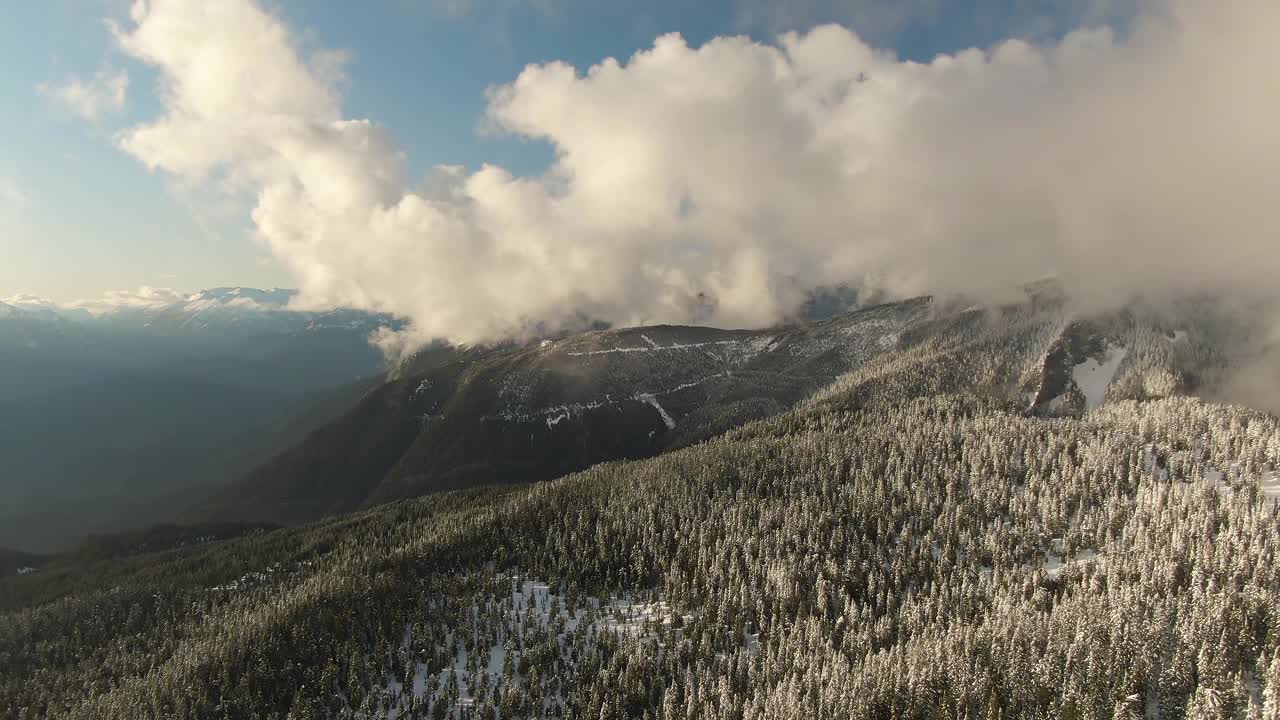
(275,297)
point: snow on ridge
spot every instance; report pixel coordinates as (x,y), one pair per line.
(556,414)
(610,351)
(653,346)
(687,385)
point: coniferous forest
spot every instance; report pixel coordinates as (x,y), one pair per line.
(913,541)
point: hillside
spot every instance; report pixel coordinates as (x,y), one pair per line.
(459,419)
(511,415)
(915,540)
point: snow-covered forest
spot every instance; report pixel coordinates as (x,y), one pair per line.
(918,540)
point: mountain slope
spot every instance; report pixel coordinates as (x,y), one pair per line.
(522,414)
(912,541)
(510,415)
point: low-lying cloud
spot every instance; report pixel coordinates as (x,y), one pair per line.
(719,183)
(144,298)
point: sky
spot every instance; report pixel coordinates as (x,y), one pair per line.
(495,169)
(78,217)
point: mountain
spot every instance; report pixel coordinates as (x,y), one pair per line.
(125,417)
(953,527)
(238,310)
(460,419)
(457,419)
(29,326)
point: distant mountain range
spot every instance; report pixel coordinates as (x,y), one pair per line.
(238,309)
(121,417)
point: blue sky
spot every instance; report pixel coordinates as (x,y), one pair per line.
(78,216)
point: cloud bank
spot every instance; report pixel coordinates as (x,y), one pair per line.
(144,298)
(719,183)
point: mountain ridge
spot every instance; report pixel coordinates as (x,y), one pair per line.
(454,419)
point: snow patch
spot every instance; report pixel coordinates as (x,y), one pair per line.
(1054,564)
(26,570)
(530,604)
(556,415)
(1270,485)
(653,346)
(1093,377)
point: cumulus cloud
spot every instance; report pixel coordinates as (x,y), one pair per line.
(719,183)
(90,99)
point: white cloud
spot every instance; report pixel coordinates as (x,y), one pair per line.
(11,196)
(144,298)
(28,301)
(747,172)
(105,92)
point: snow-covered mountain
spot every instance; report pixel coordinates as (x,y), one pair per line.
(28,326)
(237,309)
(224,309)
(1010,504)
(38,307)
(459,418)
